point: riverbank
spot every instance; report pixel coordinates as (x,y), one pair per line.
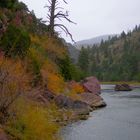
(132,83)
(118,121)
(84,103)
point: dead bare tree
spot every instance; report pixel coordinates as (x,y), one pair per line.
(55,11)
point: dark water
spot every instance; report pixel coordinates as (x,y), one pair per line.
(120,120)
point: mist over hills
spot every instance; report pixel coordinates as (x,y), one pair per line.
(92,41)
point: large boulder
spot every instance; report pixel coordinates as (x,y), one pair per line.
(92,85)
(93,100)
(77,105)
(123,87)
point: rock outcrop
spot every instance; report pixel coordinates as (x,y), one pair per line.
(123,87)
(86,102)
(79,106)
(93,100)
(92,93)
(92,85)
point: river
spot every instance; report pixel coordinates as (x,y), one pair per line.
(120,120)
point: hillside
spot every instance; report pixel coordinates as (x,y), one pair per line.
(117,59)
(34,70)
(92,41)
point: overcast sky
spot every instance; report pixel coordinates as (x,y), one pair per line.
(95,17)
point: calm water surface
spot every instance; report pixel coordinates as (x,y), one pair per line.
(120,120)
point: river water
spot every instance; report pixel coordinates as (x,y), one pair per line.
(120,120)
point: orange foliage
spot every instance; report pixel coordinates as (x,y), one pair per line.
(55,50)
(51,78)
(75,87)
(55,83)
(35,39)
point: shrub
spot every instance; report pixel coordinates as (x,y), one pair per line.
(75,87)
(13,83)
(15,42)
(32,122)
(34,62)
(51,78)
(69,71)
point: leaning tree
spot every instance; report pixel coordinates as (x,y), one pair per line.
(55,13)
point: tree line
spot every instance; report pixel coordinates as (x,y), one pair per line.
(117,59)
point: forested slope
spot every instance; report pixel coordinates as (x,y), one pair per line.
(115,60)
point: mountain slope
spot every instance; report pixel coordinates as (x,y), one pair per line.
(92,41)
(117,59)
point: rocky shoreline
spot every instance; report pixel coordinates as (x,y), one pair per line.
(73,110)
(80,108)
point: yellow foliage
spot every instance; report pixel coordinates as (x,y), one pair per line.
(33,122)
(35,39)
(55,83)
(51,78)
(75,87)
(53,46)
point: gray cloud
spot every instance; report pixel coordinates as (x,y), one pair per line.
(95,17)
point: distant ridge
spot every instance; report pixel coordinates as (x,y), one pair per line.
(92,41)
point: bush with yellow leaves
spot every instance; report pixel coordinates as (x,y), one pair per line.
(51,78)
(32,121)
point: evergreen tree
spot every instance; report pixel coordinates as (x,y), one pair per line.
(84,60)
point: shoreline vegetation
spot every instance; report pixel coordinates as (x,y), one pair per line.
(132,83)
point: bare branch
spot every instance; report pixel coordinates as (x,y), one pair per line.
(64,28)
(65,1)
(56,12)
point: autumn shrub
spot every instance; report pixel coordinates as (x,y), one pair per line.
(75,87)
(50,44)
(13,83)
(33,122)
(15,42)
(54,48)
(51,78)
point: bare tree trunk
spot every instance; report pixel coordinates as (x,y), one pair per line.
(55,12)
(52,16)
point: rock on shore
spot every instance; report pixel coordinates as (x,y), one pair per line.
(87,101)
(91,85)
(123,87)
